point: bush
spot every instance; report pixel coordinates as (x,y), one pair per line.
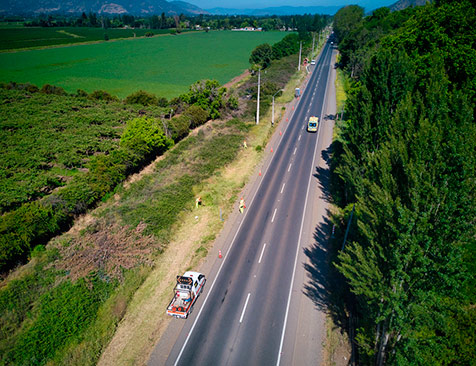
(262,55)
(51,89)
(145,135)
(198,116)
(232,103)
(179,127)
(103,95)
(149,34)
(21,229)
(141,97)
(81,93)
(162,102)
(208,95)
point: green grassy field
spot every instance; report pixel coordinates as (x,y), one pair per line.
(12,38)
(165,66)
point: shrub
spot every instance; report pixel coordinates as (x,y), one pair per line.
(232,103)
(208,95)
(103,95)
(261,55)
(145,135)
(149,34)
(162,102)
(81,93)
(51,89)
(141,97)
(179,127)
(198,116)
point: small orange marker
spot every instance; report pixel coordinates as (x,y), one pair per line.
(219,254)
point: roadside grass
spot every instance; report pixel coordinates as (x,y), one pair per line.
(342,84)
(165,66)
(336,347)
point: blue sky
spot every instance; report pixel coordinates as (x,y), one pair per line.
(254,4)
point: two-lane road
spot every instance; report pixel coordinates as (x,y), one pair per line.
(242,316)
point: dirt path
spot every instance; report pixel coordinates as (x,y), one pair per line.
(237,79)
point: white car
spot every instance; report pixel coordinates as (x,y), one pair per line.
(313,62)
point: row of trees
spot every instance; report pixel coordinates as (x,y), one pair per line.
(406,159)
(306,22)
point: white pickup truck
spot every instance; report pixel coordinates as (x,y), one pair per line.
(188,288)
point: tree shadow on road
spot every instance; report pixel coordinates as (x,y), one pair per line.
(324,283)
(325,286)
(323,175)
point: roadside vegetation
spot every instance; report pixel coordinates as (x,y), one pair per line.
(403,171)
(64,305)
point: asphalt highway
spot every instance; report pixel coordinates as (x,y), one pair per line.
(241,317)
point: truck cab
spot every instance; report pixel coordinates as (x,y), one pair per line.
(312,124)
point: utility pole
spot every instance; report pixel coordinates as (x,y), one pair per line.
(300,49)
(313,40)
(257,104)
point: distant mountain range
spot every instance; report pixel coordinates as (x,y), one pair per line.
(133,7)
(402,4)
(278,10)
(144,7)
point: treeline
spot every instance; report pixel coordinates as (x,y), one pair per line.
(305,22)
(405,159)
(143,139)
(264,54)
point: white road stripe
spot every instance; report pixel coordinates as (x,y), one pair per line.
(261,256)
(289,167)
(272,220)
(295,151)
(282,189)
(299,138)
(244,309)
(300,236)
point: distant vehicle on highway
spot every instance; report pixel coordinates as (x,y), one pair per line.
(188,288)
(313,62)
(312,124)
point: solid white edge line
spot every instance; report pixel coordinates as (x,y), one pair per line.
(244,308)
(300,235)
(262,252)
(272,220)
(282,189)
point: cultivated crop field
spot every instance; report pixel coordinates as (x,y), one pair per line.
(163,65)
(16,38)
